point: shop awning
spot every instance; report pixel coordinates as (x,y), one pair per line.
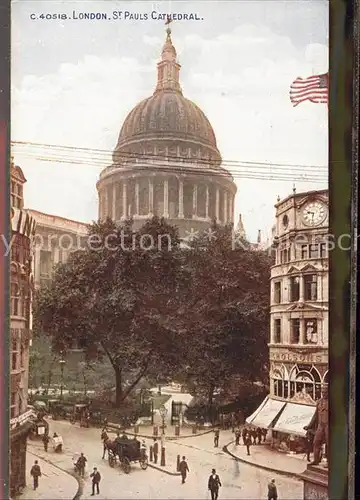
(294,418)
(253,415)
(267,414)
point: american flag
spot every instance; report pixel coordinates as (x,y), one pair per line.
(314,88)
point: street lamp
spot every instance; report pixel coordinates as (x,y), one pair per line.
(163,412)
(62,363)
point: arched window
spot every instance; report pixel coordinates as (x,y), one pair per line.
(307,380)
(278,383)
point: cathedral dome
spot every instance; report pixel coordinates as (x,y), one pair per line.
(167,119)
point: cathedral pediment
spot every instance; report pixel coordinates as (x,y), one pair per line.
(300,306)
(293,270)
(308,268)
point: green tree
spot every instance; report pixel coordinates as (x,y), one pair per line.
(118,298)
(226,313)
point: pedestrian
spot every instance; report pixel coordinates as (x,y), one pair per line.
(233,422)
(80,465)
(264,433)
(46,440)
(216,438)
(35,473)
(184,469)
(96,478)
(143,449)
(253,435)
(248,443)
(155,450)
(272,490)
(259,434)
(214,484)
(244,434)
(237,437)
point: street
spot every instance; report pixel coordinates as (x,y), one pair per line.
(239,480)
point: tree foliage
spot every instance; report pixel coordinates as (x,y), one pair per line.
(158,311)
(227,313)
(117,298)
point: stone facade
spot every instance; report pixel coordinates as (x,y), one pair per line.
(166,161)
(55,238)
(299,298)
(21,288)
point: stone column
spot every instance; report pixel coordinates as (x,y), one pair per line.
(195,201)
(137,200)
(100,205)
(231,209)
(56,255)
(181,199)
(272,332)
(106,202)
(207,202)
(166,198)
(151,196)
(217,208)
(301,289)
(114,202)
(320,296)
(125,212)
(37,265)
(225,207)
(302,331)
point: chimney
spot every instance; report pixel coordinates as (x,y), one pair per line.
(259,236)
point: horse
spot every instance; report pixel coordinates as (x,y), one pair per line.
(108,444)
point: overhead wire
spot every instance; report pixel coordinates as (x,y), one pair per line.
(236,169)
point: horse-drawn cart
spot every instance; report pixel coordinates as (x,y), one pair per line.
(125,452)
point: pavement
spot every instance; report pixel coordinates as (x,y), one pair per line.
(266,458)
(240,480)
(55,483)
(147,431)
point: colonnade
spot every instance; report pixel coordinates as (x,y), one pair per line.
(109,200)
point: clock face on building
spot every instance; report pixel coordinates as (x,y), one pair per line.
(314,213)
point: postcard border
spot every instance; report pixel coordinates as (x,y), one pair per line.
(4,232)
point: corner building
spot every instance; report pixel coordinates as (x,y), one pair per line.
(166,161)
(21,288)
(298,345)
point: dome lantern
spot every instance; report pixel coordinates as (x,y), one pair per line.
(168,67)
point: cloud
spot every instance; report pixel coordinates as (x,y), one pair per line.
(241,81)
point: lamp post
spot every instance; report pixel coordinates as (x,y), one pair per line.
(163,412)
(62,363)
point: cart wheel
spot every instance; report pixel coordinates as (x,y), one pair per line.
(112,461)
(125,463)
(144,463)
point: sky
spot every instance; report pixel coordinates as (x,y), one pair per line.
(74,82)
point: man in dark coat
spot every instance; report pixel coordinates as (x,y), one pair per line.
(259,434)
(214,484)
(237,437)
(248,443)
(272,490)
(184,469)
(45,441)
(35,472)
(80,465)
(155,450)
(96,478)
(244,433)
(253,435)
(216,438)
